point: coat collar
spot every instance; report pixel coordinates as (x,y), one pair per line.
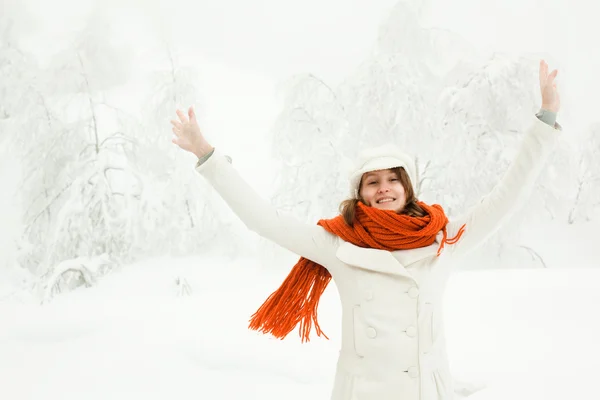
(371,259)
(408,257)
(385,261)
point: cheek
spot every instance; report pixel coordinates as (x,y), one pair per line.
(366,193)
(402,192)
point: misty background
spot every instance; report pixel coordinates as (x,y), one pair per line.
(291,91)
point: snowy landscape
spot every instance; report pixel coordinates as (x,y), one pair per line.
(122,273)
(177,328)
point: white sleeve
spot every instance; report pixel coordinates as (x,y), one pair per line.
(306,240)
(486,217)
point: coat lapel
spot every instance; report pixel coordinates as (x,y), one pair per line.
(408,257)
(385,261)
(371,259)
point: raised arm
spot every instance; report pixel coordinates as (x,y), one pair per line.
(518,182)
(306,240)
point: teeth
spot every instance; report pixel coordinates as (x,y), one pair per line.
(385,201)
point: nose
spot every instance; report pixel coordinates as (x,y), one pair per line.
(383,189)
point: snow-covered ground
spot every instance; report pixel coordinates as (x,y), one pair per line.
(523,334)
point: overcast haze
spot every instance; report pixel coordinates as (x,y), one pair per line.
(330,38)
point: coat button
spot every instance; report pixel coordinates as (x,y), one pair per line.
(371,332)
(413,292)
(413,372)
(369,295)
(411,331)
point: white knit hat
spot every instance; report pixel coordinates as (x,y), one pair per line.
(378,158)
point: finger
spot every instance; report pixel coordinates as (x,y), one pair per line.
(182,117)
(192,114)
(543,73)
(176,131)
(552,76)
(176,124)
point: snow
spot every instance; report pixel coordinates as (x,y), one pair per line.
(531,328)
(521,334)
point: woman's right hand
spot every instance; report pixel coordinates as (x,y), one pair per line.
(188,135)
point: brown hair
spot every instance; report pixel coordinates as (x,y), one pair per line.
(348,207)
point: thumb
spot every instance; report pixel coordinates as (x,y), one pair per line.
(192,114)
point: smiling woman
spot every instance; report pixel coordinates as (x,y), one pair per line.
(390,262)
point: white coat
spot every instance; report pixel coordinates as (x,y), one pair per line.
(393,345)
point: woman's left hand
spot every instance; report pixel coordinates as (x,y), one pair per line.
(550,96)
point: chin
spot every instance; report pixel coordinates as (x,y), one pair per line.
(387,206)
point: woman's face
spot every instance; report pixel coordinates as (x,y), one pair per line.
(382,189)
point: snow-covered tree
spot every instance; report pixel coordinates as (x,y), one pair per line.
(462,115)
(309,139)
(390,98)
(482,115)
(99,182)
(185,214)
(73,159)
(18,102)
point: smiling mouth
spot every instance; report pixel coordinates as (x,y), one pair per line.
(386,200)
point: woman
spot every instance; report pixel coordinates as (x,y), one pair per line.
(389,254)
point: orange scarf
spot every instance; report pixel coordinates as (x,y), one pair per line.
(297,299)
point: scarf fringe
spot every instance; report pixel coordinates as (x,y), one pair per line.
(295,302)
(453,240)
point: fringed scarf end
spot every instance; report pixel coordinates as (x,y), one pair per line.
(453,240)
(295,302)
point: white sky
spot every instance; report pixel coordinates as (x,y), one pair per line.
(277,39)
